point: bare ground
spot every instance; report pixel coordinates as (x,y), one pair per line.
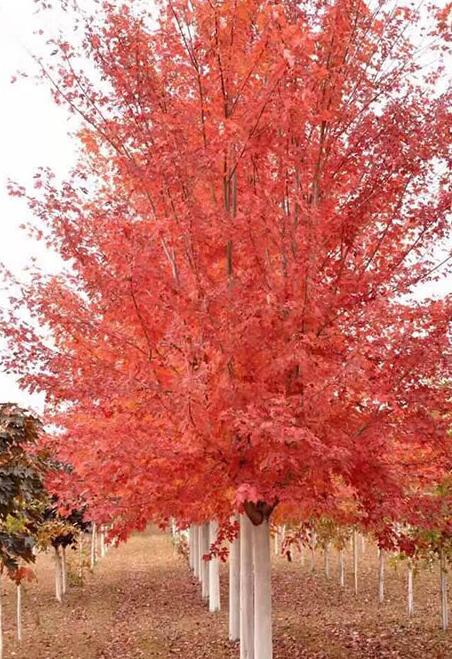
(142,602)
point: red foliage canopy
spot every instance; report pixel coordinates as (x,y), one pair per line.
(260,190)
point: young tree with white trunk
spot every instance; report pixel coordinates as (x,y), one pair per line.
(58,575)
(246,590)
(410,593)
(381,575)
(214,572)
(204,563)
(93,555)
(355,560)
(234,589)
(443,590)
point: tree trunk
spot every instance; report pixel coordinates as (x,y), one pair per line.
(326,557)
(443,590)
(19,611)
(410,589)
(262,592)
(80,555)
(312,543)
(381,576)
(196,550)
(58,585)
(214,572)
(63,570)
(200,561)
(204,564)
(234,590)
(191,546)
(355,561)
(276,541)
(102,542)
(341,568)
(93,546)
(246,590)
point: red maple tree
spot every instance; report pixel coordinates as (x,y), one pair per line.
(261,189)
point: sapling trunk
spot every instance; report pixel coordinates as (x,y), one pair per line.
(19,612)
(234,590)
(276,541)
(102,542)
(80,556)
(443,590)
(355,561)
(93,545)
(214,572)
(200,553)
(341,568)
(262,592)
(205,564)
(246,590)
(58,585)
(191,560)
(326,557)
(63,571)
(381,576)
(410,589)
(196,551)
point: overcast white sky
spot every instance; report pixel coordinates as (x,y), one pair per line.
(33,132)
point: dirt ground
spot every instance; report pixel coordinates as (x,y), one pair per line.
(143,602)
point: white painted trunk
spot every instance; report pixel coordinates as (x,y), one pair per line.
(199,557)
(191,545)
(326,557)
(246,590)
(443,591)
(63,571)
(262,592)
(214,572)
(312,560)
(58,585)
(196,551)
(205,564)
(102,542)
(19,612)
(355,561)
(341,568)
(93,546)
(80,556)
(381,576)
(234,590)
(283,530)
(313,543)
(410,589)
